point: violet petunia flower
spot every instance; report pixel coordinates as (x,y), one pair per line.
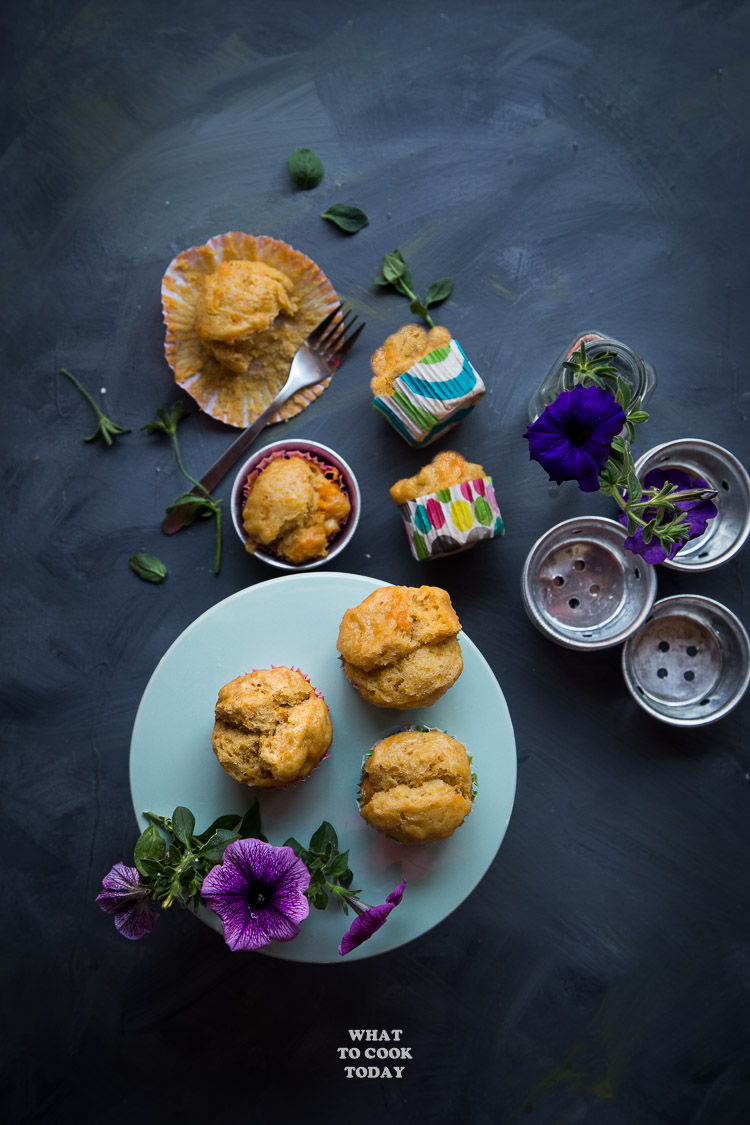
(369,919)
(698,512)
(128,900)
(258,891)
(572,438)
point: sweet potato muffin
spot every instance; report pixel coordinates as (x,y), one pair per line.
(271,728)
(417,786)
(292,508)
(445,470)
(400,647)
(231,380)
(237,303)
(402,349)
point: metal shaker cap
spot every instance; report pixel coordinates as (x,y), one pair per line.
(689,665)
(582,588)
(727,532)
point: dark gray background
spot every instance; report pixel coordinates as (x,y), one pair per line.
(573,166)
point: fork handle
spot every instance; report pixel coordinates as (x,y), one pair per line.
(176,519)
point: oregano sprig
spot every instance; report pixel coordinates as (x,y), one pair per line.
(654,510)
(173,860)
(106,429)
(201,506)
(330,874)
(394,272)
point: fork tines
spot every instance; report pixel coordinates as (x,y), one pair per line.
(334,337)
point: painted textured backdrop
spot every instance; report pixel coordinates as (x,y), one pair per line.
(572,166)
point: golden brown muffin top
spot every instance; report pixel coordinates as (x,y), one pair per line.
(445,469)
(292,508)
(271,727)
(402,349)
(417,786)
(240,299)
(414,757)
(394,621)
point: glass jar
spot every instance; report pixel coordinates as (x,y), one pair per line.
(632,368)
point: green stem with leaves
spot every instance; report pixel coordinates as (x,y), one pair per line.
(197,506)
(618,478)
(106,429)
(394,272)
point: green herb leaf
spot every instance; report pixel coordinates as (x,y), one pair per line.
(214,849)
(250,827)
(149,846)
(148,567)
(324,837)
(166,420)
(306,168)
(183,824)
(438,291)
(638,416)
(106,428)
(230,822)
(394,266)
(349,219)
(417,307)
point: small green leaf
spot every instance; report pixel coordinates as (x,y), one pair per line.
(349,219)
(148,567)
(324,837)
(638,416)
(230,822)
(149,846)
(306,168)
(166,420)
(418,308)
(299,851)
(438,291)
(216,846)
(183,824)
(394,266)
(250,826)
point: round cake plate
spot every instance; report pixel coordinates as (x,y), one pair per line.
(294,621)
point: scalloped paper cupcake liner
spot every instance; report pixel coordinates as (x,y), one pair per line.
(238,399)
(330,472)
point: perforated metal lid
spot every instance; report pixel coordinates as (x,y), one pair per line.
(690,663)
(582,588)
(727,532)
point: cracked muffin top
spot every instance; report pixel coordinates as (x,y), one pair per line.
(272,727)
(417,786)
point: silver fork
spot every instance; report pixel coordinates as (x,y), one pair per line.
(317,357)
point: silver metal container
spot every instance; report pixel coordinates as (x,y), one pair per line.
(689,665)
(728,531)
(582,588)
(321,454)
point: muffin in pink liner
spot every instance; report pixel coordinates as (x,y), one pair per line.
(448,506)
(236,310)
(417,785)
(272,727)
(295,504)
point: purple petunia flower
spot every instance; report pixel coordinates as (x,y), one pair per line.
(128,900)
(698,512)
(572,438)
(369,919)
(258,891)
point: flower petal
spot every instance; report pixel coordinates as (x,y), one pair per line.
(136,919)
(367,923)
(572,438)
(247,866)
